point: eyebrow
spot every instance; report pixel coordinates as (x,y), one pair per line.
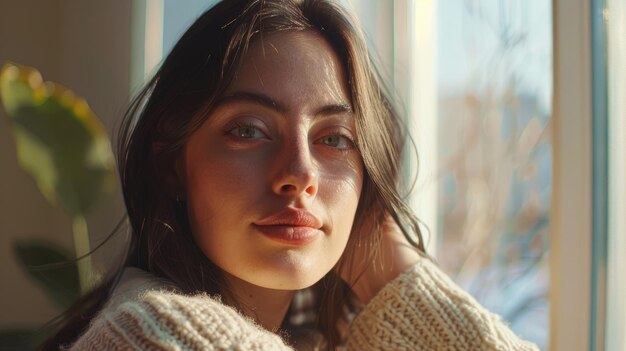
(262,99)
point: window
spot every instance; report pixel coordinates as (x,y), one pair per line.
(478,98)
(495,160)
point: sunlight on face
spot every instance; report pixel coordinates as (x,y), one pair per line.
(272,177)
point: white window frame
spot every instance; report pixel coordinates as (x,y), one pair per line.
(146,40)
(616,255)
(571,212)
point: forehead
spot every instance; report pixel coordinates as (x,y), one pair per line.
(296,68)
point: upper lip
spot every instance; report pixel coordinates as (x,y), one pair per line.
(291,217)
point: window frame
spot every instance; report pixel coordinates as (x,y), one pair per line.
(572,204)
(615,325)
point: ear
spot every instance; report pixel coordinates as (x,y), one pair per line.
(170,171)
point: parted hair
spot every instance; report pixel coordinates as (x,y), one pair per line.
(175,103)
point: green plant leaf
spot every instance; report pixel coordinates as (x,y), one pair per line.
(59,140)
(51,268)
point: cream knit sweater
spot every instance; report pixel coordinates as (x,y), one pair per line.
(420,310)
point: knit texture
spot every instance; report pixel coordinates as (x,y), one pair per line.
(421,309)
(162,320)
(424,310)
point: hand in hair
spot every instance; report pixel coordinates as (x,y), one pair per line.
(371,269)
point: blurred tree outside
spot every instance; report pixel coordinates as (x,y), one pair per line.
(495,155)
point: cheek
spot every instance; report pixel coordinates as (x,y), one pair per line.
(222,173)
(221,198)
(219,191)
(341,193)
(344,181)
(341,197)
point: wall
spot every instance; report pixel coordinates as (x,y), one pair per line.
(84,45)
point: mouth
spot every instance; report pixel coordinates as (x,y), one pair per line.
(290,226)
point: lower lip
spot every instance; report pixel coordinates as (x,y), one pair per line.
(291,235)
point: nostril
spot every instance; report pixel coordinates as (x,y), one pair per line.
(311,190)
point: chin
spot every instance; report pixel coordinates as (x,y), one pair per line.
(283,278)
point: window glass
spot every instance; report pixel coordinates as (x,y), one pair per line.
(178,16)
(494,102)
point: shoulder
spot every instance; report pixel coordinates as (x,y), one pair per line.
(159,318)
(133,284)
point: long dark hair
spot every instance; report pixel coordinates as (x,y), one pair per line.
(176,102)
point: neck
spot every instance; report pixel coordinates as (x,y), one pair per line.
(267,307)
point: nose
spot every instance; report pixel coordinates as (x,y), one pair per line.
(297,175)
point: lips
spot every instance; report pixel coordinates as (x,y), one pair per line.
(290,226)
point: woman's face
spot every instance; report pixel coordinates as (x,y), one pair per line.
(272,177)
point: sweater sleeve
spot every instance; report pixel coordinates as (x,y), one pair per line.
(423,309)
(168,321)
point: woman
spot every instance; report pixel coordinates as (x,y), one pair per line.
(260,173)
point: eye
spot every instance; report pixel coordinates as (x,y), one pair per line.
(337,141)
(247,131)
